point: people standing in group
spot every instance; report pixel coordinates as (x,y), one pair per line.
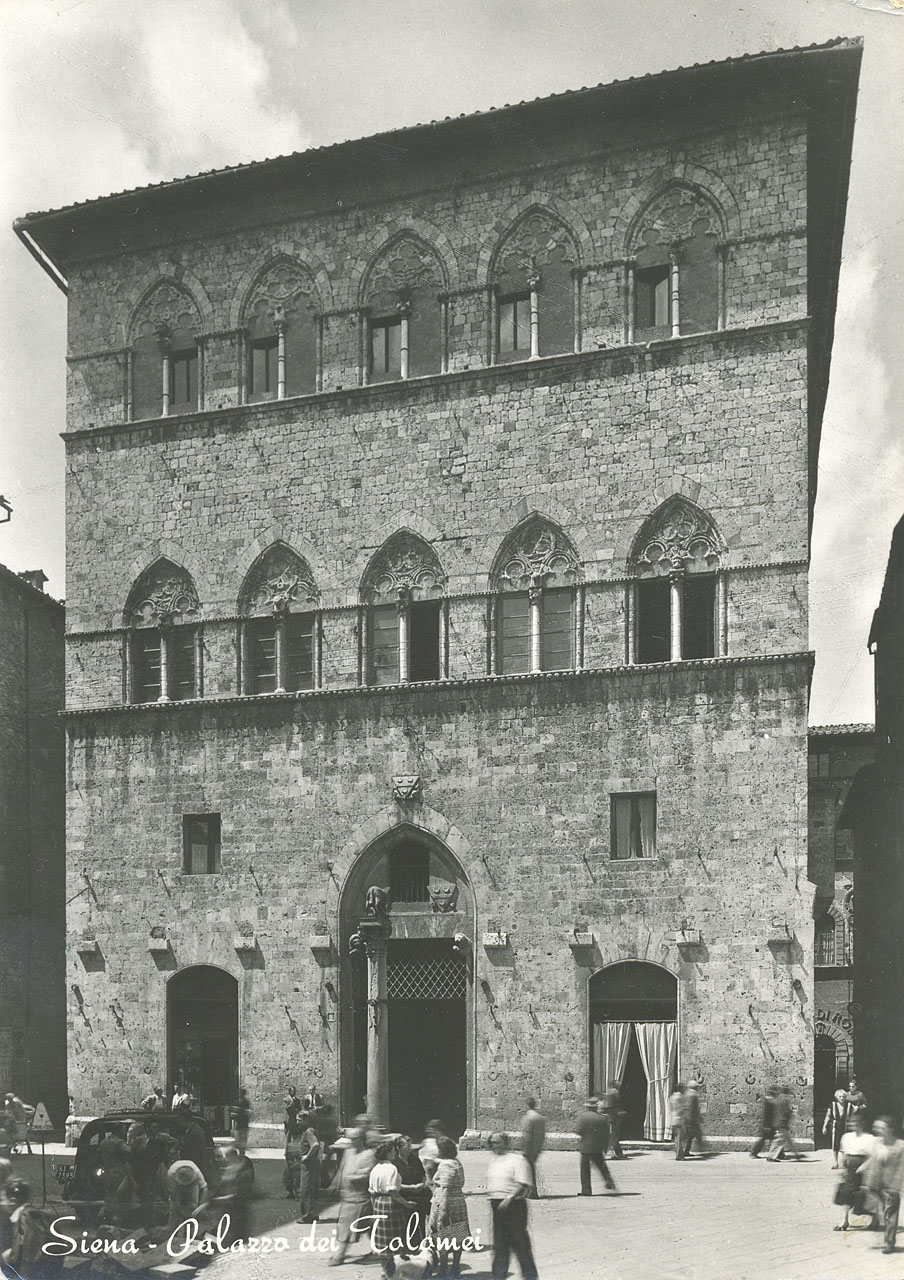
(784,1119)
(390,1209)
(767,1121)
(354,1197)
(414,1187)
(611,1107)
(835,1123)
(312,1100)
(593,1133)
(241,1119)
(677,1119)
(510,1180)
(309,1168)
(883,1175)
(856,1147)
(155,1101)
(448,1209)
(292,1107)
(181,1098)
(533,1140)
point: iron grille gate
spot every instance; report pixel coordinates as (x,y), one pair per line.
(425,969)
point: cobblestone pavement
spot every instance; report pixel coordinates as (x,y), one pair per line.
(725,1217)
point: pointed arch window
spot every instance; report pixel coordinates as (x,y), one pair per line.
(405,613)
(535,290)
(405,312)
(675,268)
(282,334)
(163,636)
(676,606)
(166,354)
(280,640)
(535,579)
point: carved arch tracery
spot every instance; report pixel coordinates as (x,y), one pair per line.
(678,536)
(676,214)
(164,595)
(537,240)
(279,290)
(279,581)
(400,267)
(536,554)
(405,566)
(167,308)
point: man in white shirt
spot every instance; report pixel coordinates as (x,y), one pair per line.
(883,1173)
(509,1183)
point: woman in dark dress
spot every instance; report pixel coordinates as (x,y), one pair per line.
(414,1187)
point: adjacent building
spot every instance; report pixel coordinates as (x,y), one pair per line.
(32,843)
(438,525)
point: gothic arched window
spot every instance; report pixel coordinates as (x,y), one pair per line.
(280,629)
(403,594)
(676,597)
(675,266)
(533,283)
(534,580)
(166,353)
(281,327)
(164,638)
(404,305)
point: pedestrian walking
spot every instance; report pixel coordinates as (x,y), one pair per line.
(883,1175)
(26,1229)
(676,1119)
(533,1140)
(835,1123)
(784,1119)
(448,1210)
(390,1209)
(234,1189)
(21,1114)
(354,1197)
(292,1107)
(116,1176)
(509,1183)
(856,1147)
(856,1099)
(187,1188)
(241,1119)
(693,1125)
(593,1133)
(767,1121)
(612,1109)
(309,1168)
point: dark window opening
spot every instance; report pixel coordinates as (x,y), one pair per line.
(180,647)
(263,371)
(514,634)
(299,659)
(513,329)
(201,844)
(183,380)
(384,644)
(633,825)
(424,622)
(818,765)
(146,666)
(409,874)
(557,630)
(386,348)
(825,943)
(654,620)
(698,620)
(261,655)
(652,298)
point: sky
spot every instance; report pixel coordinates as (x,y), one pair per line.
(102,95)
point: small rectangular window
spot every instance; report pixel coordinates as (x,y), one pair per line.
(633,825)
(652,298)
(201,844)
(514,633)
(384,644)
(261,655)
(181,678)
(386,349)
(299,651)
(513,333)
(146,686)
(184,380)
(424,620)
(653,623)
(818,764)
(698,618)
(262,372)
(557,630)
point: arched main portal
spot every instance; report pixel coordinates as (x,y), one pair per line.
(634,1042)
(407,983)
(202,1022)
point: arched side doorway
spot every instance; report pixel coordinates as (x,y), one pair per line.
(407,983)
(831,1071)
(202,1023)
(634,1042)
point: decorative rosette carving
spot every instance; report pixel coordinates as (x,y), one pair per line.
(537,241)
(279,289)
(539,554)
(678,214)
(405,566)
(279,581)
(168,309)
(402,266)
(163,594)
(679,536)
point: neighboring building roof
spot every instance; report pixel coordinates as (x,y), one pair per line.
(34,594)
(840,730)
(891,602)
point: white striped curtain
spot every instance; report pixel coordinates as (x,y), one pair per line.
(610,1053)
(658,1044)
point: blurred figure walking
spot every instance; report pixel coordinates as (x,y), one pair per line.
(533,1140)
(509,1181)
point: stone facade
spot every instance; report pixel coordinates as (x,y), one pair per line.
(480,476)
(32,861)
